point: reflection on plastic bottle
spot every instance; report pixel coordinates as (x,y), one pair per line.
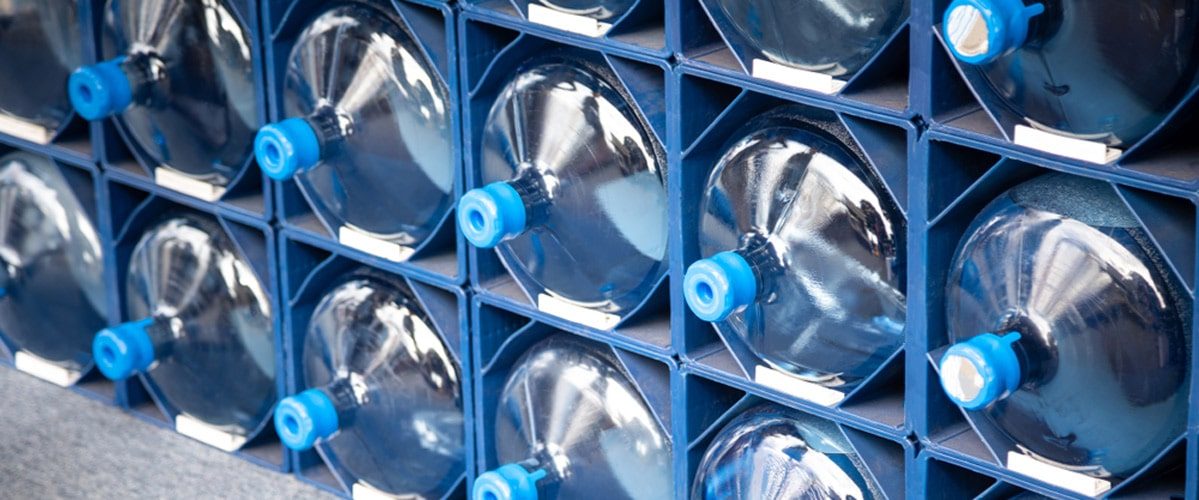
(41,46)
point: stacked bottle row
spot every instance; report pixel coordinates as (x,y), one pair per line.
(730,231)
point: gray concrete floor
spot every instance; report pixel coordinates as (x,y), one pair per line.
(55,443)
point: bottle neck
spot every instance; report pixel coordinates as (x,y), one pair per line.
(347,393)
(534,193)
(332,127)
(765,261)
(147,76)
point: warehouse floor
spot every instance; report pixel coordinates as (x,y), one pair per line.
(55,443)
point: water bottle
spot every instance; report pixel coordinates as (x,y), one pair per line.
(39,47)
(832,37)
(52,296)
(1051,61)
(600,10)
(179,77)
(384,397)
(570,424)
(575,200)
(774,452)
(804,252)
(1069,337)
(369,139)
(202,334)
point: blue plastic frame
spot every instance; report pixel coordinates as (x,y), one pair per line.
(957,181)
(710,405)
(433,23)
(250,192)
(133,209)
(309,266)
(716,111)
(495,50)
(85,181)
(642,31)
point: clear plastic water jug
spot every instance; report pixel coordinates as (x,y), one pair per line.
(383,403)
(774,452)
(52,294)
(1070,338)
(575,195)
(571,424)
(178,75)
(804,253)
(202,334)
(368,139)
(39,47)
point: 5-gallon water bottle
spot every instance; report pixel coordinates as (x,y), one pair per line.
(179,78)
(804,253)
(570,424)
(203,335)
(600,10)
(52,297)
(384,397)
(833,37)
(775,452)
(1069,336)
(39,47)
(576,200)
(1101,70)
(369,140)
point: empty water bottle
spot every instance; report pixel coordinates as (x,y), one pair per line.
(384,398)
(571,424)
(202,334)
(804,252)
(774,452)
(179,77)
(600,10)
(1069,335)
(576,200)
(39,47)
(833,37)
(369,140)
(1052,61)
(52,297)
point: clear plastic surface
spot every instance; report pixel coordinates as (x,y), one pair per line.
(214,343)
(387,164)
(39,47)
(600,10)
(1107,71)
(1104,342)
(826,243)
(396,385)
(593,178)
(569,409)
(52,297)
(774,452)
(191,67)
(834,37)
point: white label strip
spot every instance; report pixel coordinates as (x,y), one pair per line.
(175,181)
(802,389)
(795,77)
(366,243)
(208,434)
(1079,149)
(45,370)
(24,130)
(582,25)
(582,315)
(363,491)
(1070,480)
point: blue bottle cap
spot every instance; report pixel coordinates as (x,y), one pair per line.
(124,349)
(719,285)
(981,370)
(979,31)
(286,147)
(100,90)
(488,215)
(509,482)
(302,419)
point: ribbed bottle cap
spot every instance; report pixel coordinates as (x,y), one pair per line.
(508,482)
(123,350)
(488,215)
(980,31)
(100,90)
(287,147)
(981,370)
(719,285)
(302,419)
